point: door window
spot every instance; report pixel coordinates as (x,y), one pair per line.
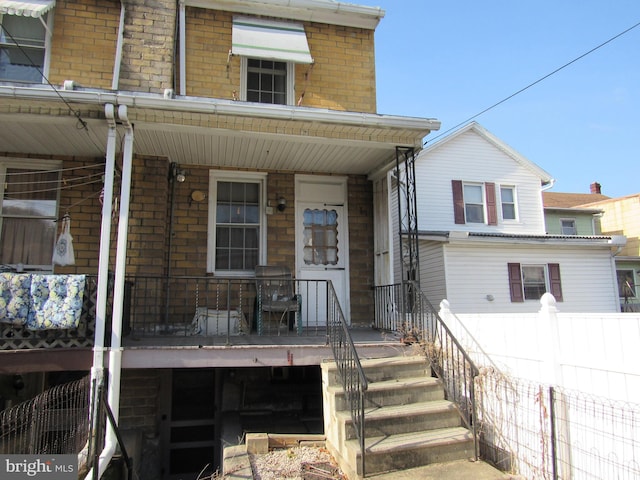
(320,236)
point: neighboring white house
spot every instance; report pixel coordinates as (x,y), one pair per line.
(482,239)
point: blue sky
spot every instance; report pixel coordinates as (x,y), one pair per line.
(452,59)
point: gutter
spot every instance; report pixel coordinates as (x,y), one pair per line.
(225,107)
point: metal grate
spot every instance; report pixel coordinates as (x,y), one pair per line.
(54,422)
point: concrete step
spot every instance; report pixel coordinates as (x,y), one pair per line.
(381,369)
(400,391)
(397,419)
(409,450)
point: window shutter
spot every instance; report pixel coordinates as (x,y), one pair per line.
(492,212)
(458,201)
(515,282)
(554,281)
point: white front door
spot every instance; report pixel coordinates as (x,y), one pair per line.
(322,244)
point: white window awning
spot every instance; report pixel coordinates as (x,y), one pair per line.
(271,40)
(29,8)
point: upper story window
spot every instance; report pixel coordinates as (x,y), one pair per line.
(473,203)
(508,202)
(269,50)
(236,233)
(29,205)
(24,39)
(568,226)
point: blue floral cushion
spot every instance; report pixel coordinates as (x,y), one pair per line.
(56,301)
(15,295)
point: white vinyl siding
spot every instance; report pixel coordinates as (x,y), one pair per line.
(469,157)
(475,271)
(432,272)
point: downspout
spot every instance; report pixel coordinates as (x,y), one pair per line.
(118,60)
(183,48)
(97,369)
(115,352)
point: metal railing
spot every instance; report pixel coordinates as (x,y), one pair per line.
(354,381)
(54,422)
(188,306)
(403,308)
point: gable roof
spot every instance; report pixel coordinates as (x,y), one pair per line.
(570,200)
(475,127)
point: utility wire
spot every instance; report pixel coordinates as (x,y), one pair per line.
(82,124)
(531,84)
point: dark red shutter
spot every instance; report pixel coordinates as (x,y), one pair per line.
(554,281)
(515,282)
(490,194)
(458,201)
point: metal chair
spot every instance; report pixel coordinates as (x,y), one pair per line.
(275,293)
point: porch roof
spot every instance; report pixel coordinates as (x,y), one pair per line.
(209,132)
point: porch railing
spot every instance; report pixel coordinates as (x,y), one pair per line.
(403,308)
(354,381)
(188,306)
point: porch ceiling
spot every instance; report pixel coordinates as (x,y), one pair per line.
(240,136)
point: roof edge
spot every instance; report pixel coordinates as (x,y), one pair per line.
(320,11)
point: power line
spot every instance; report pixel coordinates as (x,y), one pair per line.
(82,124)
(532,84)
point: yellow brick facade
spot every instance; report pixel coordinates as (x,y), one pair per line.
(84,42)
(342,77)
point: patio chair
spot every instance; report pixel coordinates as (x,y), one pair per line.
(275,294)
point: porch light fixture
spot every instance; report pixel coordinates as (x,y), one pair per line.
(282,204)
(177,174)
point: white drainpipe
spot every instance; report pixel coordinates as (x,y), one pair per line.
(115,352)
(118,60)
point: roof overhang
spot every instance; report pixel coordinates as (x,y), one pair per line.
(461,237)
(319,11)
(209,132)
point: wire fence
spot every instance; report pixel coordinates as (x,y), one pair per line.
(546,432)
(54,422)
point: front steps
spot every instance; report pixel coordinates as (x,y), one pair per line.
(408,422)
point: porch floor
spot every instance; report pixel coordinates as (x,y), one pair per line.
(167,351)
(251,350)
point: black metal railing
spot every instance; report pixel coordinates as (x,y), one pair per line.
(354,381)
(188,306)
(404,309)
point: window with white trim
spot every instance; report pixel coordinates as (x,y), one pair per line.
(626,283)
(236,233)
(530,282)
(508,202)
(266,81)
(568,226)
(29,194)
(473,203)
(23,48)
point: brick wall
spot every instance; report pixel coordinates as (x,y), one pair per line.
(84,42)
(139,399)
(342,78)
(361,251)
(148,46)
